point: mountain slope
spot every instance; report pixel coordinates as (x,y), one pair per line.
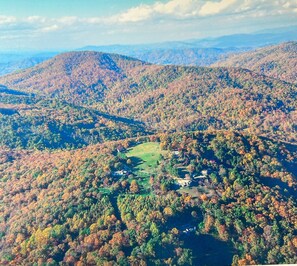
(278,61)
(166,98)
(78,76)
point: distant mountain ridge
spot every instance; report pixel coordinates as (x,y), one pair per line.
(201,52)
(278,61)
(172,56)
(13,62)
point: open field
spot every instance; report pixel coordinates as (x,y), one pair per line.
(145,157)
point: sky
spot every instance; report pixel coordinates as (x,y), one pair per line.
(70,24)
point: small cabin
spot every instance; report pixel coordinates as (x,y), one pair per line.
(121,149)
(184,182)
(188,228)
(121,173)
(176,153)
(204,175)
(204,172)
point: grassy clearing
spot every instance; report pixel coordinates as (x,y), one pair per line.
(104,190)
(145,157)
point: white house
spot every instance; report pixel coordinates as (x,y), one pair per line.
(120,173)
(183,182)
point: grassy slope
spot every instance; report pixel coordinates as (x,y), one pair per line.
(146,156)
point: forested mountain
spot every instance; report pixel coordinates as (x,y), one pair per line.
(79,77)
(69,207)
(279,61)
(109,160)
(166,97)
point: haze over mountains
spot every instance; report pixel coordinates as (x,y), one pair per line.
(190,52)
(10,62)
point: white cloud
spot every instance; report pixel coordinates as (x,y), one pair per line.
(7,20)
(51,28)
(93,20)
(35,19)
(67,20)
(180,9)
(175,8)
(169,19)
(136,14)
(172,9)
(213,8)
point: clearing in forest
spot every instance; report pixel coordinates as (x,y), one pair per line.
(145,157)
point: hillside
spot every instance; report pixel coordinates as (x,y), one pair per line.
(108,160)
(73,206)
(279,61)
(75,76)
(166,98)
(33,122)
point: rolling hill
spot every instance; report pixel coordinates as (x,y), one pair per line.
(279,61)
(75,76)
(166,98)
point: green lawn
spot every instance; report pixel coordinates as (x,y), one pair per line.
(145,156)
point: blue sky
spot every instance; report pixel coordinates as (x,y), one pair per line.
(69,24)
(56,8)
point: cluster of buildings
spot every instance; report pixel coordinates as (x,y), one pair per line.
(188,180)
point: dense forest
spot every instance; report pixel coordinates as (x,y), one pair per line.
(70,207)
(108,160)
